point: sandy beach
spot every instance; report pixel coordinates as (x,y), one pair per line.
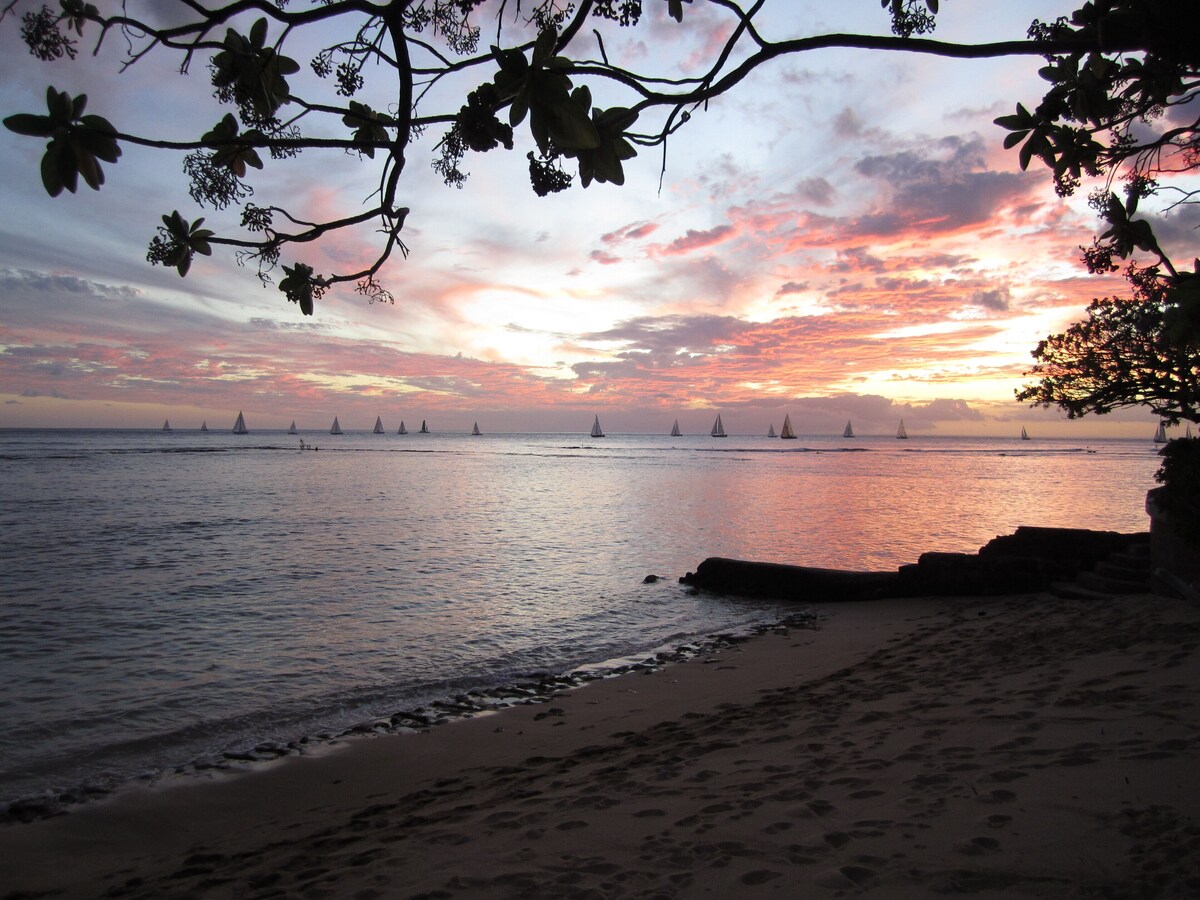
(1026,746)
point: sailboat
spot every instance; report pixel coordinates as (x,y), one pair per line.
(292,429)
(336,429)
(596,432)
(204,425)
(166,425)
(424,427)
(718,430)
(1160,436)
(402,429)
(849,432)
(378,425)
(786,433)
(771,430)
(675,429)
(239,427)
(1024,434)
(901,434)
(476,430)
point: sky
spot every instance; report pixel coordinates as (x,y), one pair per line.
(842,236)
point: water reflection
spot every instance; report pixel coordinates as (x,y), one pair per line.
(182,592)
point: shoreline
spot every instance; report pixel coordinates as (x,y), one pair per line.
(1026,745)
(529,688)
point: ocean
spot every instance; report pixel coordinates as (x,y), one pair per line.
(170,598)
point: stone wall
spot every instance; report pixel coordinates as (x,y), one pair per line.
(1175,560)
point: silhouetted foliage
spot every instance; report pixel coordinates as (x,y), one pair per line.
(1114,65)
(1123,115)
(1121,355)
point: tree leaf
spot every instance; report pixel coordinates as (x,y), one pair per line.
(60,106)
(1011,140)
(1025,154)
(30,125)
(571,128)
(87,166)
(519,108)
(258,33)
(51,177)
(544,47)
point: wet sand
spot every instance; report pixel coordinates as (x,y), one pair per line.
(1027,746)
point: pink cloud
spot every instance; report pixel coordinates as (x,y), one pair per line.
(604,257)
(630,233)
(696,240)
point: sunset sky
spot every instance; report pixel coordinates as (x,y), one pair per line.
(843,236)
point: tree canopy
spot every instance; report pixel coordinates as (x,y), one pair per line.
(1131,119)
(1122,77)
(1120,355)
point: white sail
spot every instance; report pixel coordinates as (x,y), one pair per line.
(596,432)
(786,433)
(771,430)
(424,427)
(1160,435)
(336,429)
(675,429)
(718,430)
(204,425)
(292,429)
(378,425)
(1024,434)
(239,427)
(402,429)
(476,430)
(901,434)
(166,424)
(849,432)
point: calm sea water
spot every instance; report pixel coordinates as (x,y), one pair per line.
(164,597)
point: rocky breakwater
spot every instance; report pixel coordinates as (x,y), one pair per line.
(1030,559)
(777,581)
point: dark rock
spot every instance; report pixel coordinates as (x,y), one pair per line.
(783,582)
(1030,559)
(650,579)
(1062,552)
(968,574)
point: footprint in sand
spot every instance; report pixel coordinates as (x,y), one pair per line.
(865,795)
(821,807)
(760,876)
(977,846)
